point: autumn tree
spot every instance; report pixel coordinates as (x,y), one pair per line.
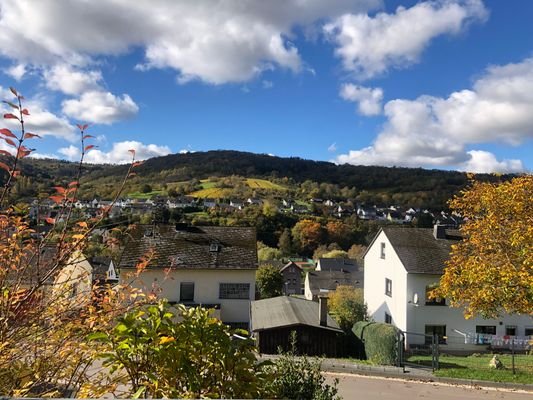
(307,235)
(491,270)
(285,242)
(335,254)
(356,252)
(269,281)
(346,304)
(43,321)
(267,253)
(338,232)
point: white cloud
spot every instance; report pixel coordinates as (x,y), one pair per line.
(40,121)
(267,84)
(100,107)
(332,147)
(72,153)
(70,80)
(16,71)
(483,161)
(434,131)
(368,99)
(216,42)
(369,46)
(118,154)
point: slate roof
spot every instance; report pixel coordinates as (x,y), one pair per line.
(418,249)
(36,267)
(289,264)
(192,247)
(329,280)
(338,264)
(100,267)
(286,311)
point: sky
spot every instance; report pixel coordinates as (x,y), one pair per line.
(444,84)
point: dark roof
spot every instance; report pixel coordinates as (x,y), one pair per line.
(100,267)
(205,247)
(338,264)
(35,266)
(418,249)
(329,280)
(285,311)
(289,264)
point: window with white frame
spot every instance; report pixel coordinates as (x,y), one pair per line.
(388,318)
(234,291)
(382,252)
(388,287)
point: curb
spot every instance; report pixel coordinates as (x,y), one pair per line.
(398,373)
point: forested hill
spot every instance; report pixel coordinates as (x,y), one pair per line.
(201,165)
(378,184)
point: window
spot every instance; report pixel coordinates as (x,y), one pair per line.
(486,329)
(528,331)
(484,332)
(388,287)
(439,330)
(382,250)
(388,318)
(234,291)
(435,301)
(187,291)
(510,330)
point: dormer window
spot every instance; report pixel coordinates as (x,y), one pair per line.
(175,260)
(214,247)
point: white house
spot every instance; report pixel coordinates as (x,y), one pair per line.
(76,279)
(401,266)
(208,266)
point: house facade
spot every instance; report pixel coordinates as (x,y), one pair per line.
(212,267)
(402,265)
(292,278)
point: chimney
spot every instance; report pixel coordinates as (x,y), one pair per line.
(323,310)
(439,231)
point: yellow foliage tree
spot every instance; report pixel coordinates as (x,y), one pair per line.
(43,324)
(491,270)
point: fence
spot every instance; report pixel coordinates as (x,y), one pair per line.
(466,350)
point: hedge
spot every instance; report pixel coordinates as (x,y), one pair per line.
(378,342)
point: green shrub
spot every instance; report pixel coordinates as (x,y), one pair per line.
(379,341)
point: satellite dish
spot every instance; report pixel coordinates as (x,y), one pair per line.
(415,298)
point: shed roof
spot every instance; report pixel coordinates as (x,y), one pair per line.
(285,311)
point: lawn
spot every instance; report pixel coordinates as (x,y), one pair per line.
(149,195)
(477,367)
(207,184)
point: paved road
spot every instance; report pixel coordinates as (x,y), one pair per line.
(370,388)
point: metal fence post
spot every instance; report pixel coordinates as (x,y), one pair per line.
(433,353)
(512,356)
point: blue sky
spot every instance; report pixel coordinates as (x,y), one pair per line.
(438,84)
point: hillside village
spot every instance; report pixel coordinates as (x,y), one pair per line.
(215,267)
(298,199)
